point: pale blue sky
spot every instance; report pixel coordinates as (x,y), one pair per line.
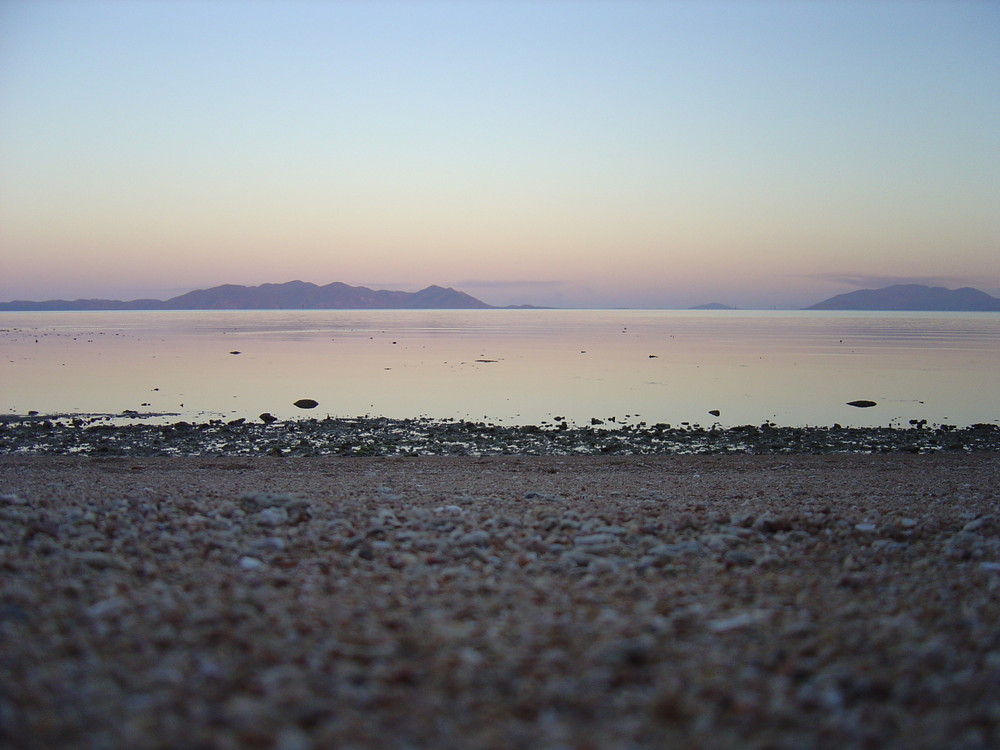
(581,153)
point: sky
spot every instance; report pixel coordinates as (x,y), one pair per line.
(633,153)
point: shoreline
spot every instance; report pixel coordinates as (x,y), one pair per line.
(713,601)
(380,436)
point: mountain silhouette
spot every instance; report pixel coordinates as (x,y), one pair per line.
(292,295)
(912,297)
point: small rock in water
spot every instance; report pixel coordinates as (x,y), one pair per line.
(862,403)
(306,403)
(714,412)
(235,352)
(268,418)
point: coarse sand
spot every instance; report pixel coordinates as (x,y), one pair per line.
(794,601)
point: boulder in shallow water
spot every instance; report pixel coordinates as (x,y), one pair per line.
(862,403)
(267,418)
(306,403)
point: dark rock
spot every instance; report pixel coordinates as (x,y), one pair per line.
(268,418)
(714,412)
(862,403)
(235,352)
(306,403)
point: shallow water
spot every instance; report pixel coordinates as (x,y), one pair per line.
(509,366)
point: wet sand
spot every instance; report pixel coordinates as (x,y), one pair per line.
(779,601)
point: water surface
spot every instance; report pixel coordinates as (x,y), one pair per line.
(509,366)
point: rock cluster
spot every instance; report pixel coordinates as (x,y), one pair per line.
(380,436)
(713,602)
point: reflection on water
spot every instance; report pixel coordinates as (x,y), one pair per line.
(509,366)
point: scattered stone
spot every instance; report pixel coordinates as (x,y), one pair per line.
(477,538)
(593,540)
(306,403)
(738,622)
(272,517)
(107,607)
(978,524)
(738,557)
(378,436)
(862,403)
(677,550)
(255,501)
(250,563)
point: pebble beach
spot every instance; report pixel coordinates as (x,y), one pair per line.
(845,600)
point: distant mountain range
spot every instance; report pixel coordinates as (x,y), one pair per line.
(293,295)
(912,297)
(301,295)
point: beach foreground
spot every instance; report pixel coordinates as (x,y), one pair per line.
(777,601)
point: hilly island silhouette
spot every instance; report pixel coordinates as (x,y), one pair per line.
(303,295)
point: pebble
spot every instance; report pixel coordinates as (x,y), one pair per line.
(679,549)
(477,538)
(107,607)
(250,563)
(270,544)
(272,517)
(738,557)
(737,622)
(718,542)
(593,540)
(977,524)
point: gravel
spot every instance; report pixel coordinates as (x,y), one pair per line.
(793,601)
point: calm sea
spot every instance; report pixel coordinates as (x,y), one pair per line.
(509,366)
